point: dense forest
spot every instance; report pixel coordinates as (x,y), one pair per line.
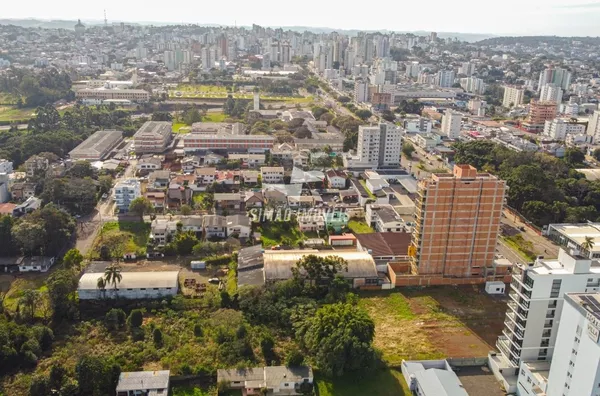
(545,189)
(37,89)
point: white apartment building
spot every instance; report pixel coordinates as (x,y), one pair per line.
(451,124)
(575,368)
(445,78)
(412,69)
(473,85)
(551,93)
(126,191)
(379,145)
(558,129)
(513,97)
(361,91)
(272,174)
(594,126)
(6,166)
(537,294)
(477,106)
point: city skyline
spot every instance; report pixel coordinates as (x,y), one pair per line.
(535,17)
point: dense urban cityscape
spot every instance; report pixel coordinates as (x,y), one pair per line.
(203,210)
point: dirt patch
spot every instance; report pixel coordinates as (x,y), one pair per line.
(417,307)
(456,342)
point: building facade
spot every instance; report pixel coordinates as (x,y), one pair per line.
(458,223)
(194,142)
(451,124)
(558,129)
(125,192)
(513,97)
(594,126)
(153,137)
(380,145)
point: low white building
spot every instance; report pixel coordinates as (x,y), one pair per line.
(559,128)
(427,141)
(133,285)
(432,378)
(272,174)
(143,383)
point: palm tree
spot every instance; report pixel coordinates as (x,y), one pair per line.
(112,274)
(588,243)
(101,285)
(29,300)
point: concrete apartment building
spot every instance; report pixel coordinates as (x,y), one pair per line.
(6,166)
(153,137)
(539,113)
(537,293)
(194,142)
(126,191)
(594,126)
(513,97)
(36,163)
(272,174)
(458,223)
(559,128)
(551,93)
(575,368)
(379,145)
(451,124)
(97,146)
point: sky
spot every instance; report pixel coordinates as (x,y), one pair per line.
(501,17)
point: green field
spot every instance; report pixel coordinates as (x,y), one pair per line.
(132,236)
(274,233)
(177,126)
(214,117)
(360,227)
(10,113)
(381,383)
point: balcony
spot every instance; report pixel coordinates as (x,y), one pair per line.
(513,329)
(522,291)
(507,348)
(523,280)
(523,303)
(521,313)
(520,323)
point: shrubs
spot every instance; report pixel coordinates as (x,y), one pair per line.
(136,318)
(157,337)
(219,260)
(115,319)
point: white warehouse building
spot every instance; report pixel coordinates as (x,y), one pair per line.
(133,285)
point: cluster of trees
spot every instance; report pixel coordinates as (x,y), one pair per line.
(235,108)
(42,232)
(37,89)
(317,309)
(360,113)
(21,345)
(545,189)
(51,132)
(349,127)
(410,107)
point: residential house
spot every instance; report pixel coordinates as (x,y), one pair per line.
(36,163)
(283,151)
(336,220)
(22,191)
(157,198)
(336,178)
(190,163)
(205,176)
(311,222)
(159,179)
(384,218)
(301,158)
(238,226)
(272,174)
(143,383)
(149,164)
(302,201)
(247,159)
(214,226)
(31,204)
(161,231)
(192,223)
(179,194)
(228,177)
(249,177)
(228,201)
(253,199)
(278,193)
(376,184)
(36,264)
(213,159)
(276,380)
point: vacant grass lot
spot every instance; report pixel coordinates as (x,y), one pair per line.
(214,117)
(360,227)
(132,235)
(10,113)
(521,246)
(274,233)
(381,383)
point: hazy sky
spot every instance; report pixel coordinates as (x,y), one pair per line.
(522,17)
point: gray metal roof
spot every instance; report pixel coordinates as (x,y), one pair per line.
(143,380)
(97,144)
(250,257)
(437,382)
(133,280)
(153,129)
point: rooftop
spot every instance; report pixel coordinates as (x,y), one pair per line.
(133,280)
(386,243)
(97,144)
(143,380)
(154,129)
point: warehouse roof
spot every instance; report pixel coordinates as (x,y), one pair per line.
(279,263)
(133,280)
(97,144)
(141,380)
(152,129)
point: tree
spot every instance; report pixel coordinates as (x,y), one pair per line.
(315,268)
(114,319)
(303,133)
(81,169)
(225,299)
(388,116)
(141,206)
(267,343)
(112,274)
(294,359)
(574,156)
(30,236)
(596,154)
(29,299)
(157,337)
(191,116)
(96,376)
(408,149)
(61,288)
(186,210)
(73,259)
(162,116)
(363,114)
(135,319)
(184,242)
(588,243)
(339,337)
